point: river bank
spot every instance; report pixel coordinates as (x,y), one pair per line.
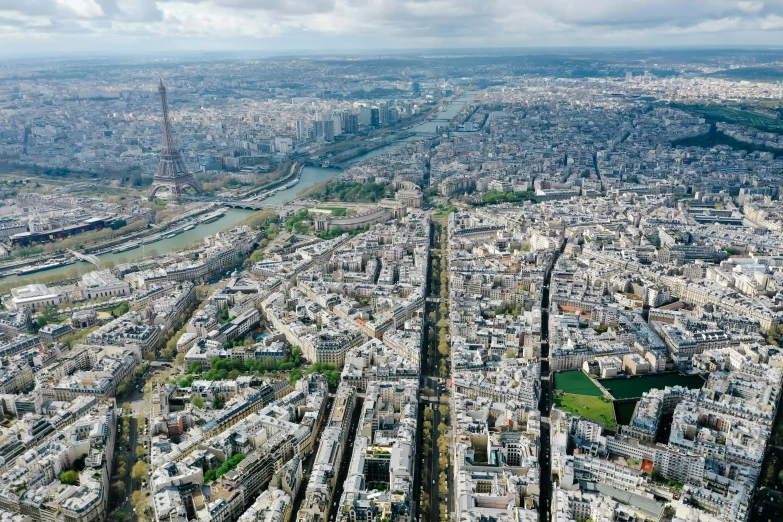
(294,171)
(306,176)
(145,235)
(161,246)
(314,174)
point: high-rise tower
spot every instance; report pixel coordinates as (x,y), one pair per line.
(172,174)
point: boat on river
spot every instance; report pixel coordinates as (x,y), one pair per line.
(211,218)
(54,263)
(124,248)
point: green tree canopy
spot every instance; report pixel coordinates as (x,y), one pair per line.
(69,477)
(139,470)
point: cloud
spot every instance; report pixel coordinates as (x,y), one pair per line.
(299,7)
(323,24)
(55,10)
(750,7)
(137,11)
(650,14)
(772,23)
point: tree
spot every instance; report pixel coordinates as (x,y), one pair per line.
(118,488)
(444,410)
(443,461)
(229,465)
(442,428)
(141,452)
(218,403)
(138,500)
(78,463)
(429,413)
(122,309)
(139,470)
(69,477)
(50,313)
(197,401)
(769,473)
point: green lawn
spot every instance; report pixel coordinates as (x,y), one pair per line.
(634,387)
(595,408)
(575,381)
(444,212)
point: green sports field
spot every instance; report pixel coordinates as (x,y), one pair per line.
(595,408)
(634,387)
(576,382)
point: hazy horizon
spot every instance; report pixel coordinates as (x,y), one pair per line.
(433,52)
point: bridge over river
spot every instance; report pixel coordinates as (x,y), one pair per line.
(86,257)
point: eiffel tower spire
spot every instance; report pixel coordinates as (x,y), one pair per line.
(172,174)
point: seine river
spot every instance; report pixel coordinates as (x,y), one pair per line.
(163,246)
(310,176)
(313,174)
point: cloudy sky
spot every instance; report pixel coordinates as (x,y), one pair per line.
(126,26)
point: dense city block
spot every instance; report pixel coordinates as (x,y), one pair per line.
(420,289)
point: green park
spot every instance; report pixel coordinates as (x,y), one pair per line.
(578,393)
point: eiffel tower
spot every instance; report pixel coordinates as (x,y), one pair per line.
(172,174)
